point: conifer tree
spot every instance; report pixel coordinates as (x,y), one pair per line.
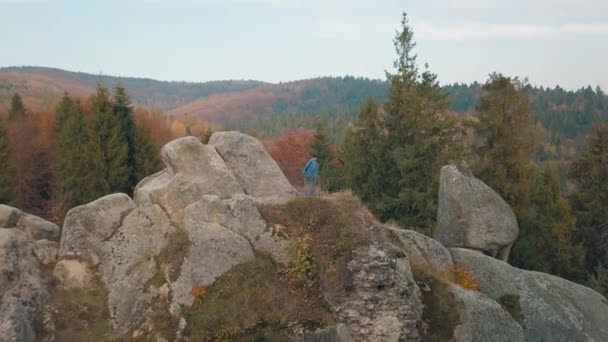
(6,168)
(421,138)
(77,158)
(362,153)
(590,200)
(546,231)
(147,161)
(108,134)
(124,112)
(17,110)
(506,146)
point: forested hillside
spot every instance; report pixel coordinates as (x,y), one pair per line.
(42,87)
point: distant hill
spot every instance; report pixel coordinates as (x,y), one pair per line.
(41,87)
(270,109)
(218,101)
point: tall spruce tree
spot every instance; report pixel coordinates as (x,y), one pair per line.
(107,132)
(17,110)
(590,200)
(506,145)
(362,152)
(77,158)
(421,138)
(6,168)
(546,231)
(124,112)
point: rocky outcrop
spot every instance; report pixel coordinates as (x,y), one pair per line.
(22,288)
(127,263)
(35,227)
(384,303)
(46,251)
(192,171)
(482,319)
(422,249)
(86,226)
(471,215)
(222,233)
(146,267)
(256,171)
(548,308)
(118,240)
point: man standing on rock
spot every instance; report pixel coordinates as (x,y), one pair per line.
(310,174)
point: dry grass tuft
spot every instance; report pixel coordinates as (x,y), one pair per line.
(464,278)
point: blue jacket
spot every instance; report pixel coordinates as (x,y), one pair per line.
(311,169)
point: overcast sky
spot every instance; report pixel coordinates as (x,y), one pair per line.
(551,42)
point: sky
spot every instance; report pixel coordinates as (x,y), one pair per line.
(550,42)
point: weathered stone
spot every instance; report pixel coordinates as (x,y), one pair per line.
(73,274)
(384,303)
(9,216)
(258,173)
(421,248)
(22,289)
(35,227)
(127,263)
(339,333)
(46,251)
(241,215)
(482,319)
(547,307)
(471,215)
(39,229)
(86,226)
(192,171)
(214,250)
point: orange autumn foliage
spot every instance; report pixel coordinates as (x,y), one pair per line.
(464,278)
(291,151)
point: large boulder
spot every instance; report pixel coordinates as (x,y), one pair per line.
(241,215)
(127,263)
(548,308)
(86,226)
(9,216)
(116,242)
(472,215)
(35,227)
(255,169)
(214,248)
(482,319)
(22,288)
(422,249)
(192,171)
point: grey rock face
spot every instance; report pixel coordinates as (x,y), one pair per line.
(258,173)
(127,263)
(35,227)
(39,229)
(22,289)
(9,216)
(548,308)
(385,302)
(214,249)
(241,215)
(46,251)
(426,250)
(86,226)
(192,171)
(482,319)
(471,215)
